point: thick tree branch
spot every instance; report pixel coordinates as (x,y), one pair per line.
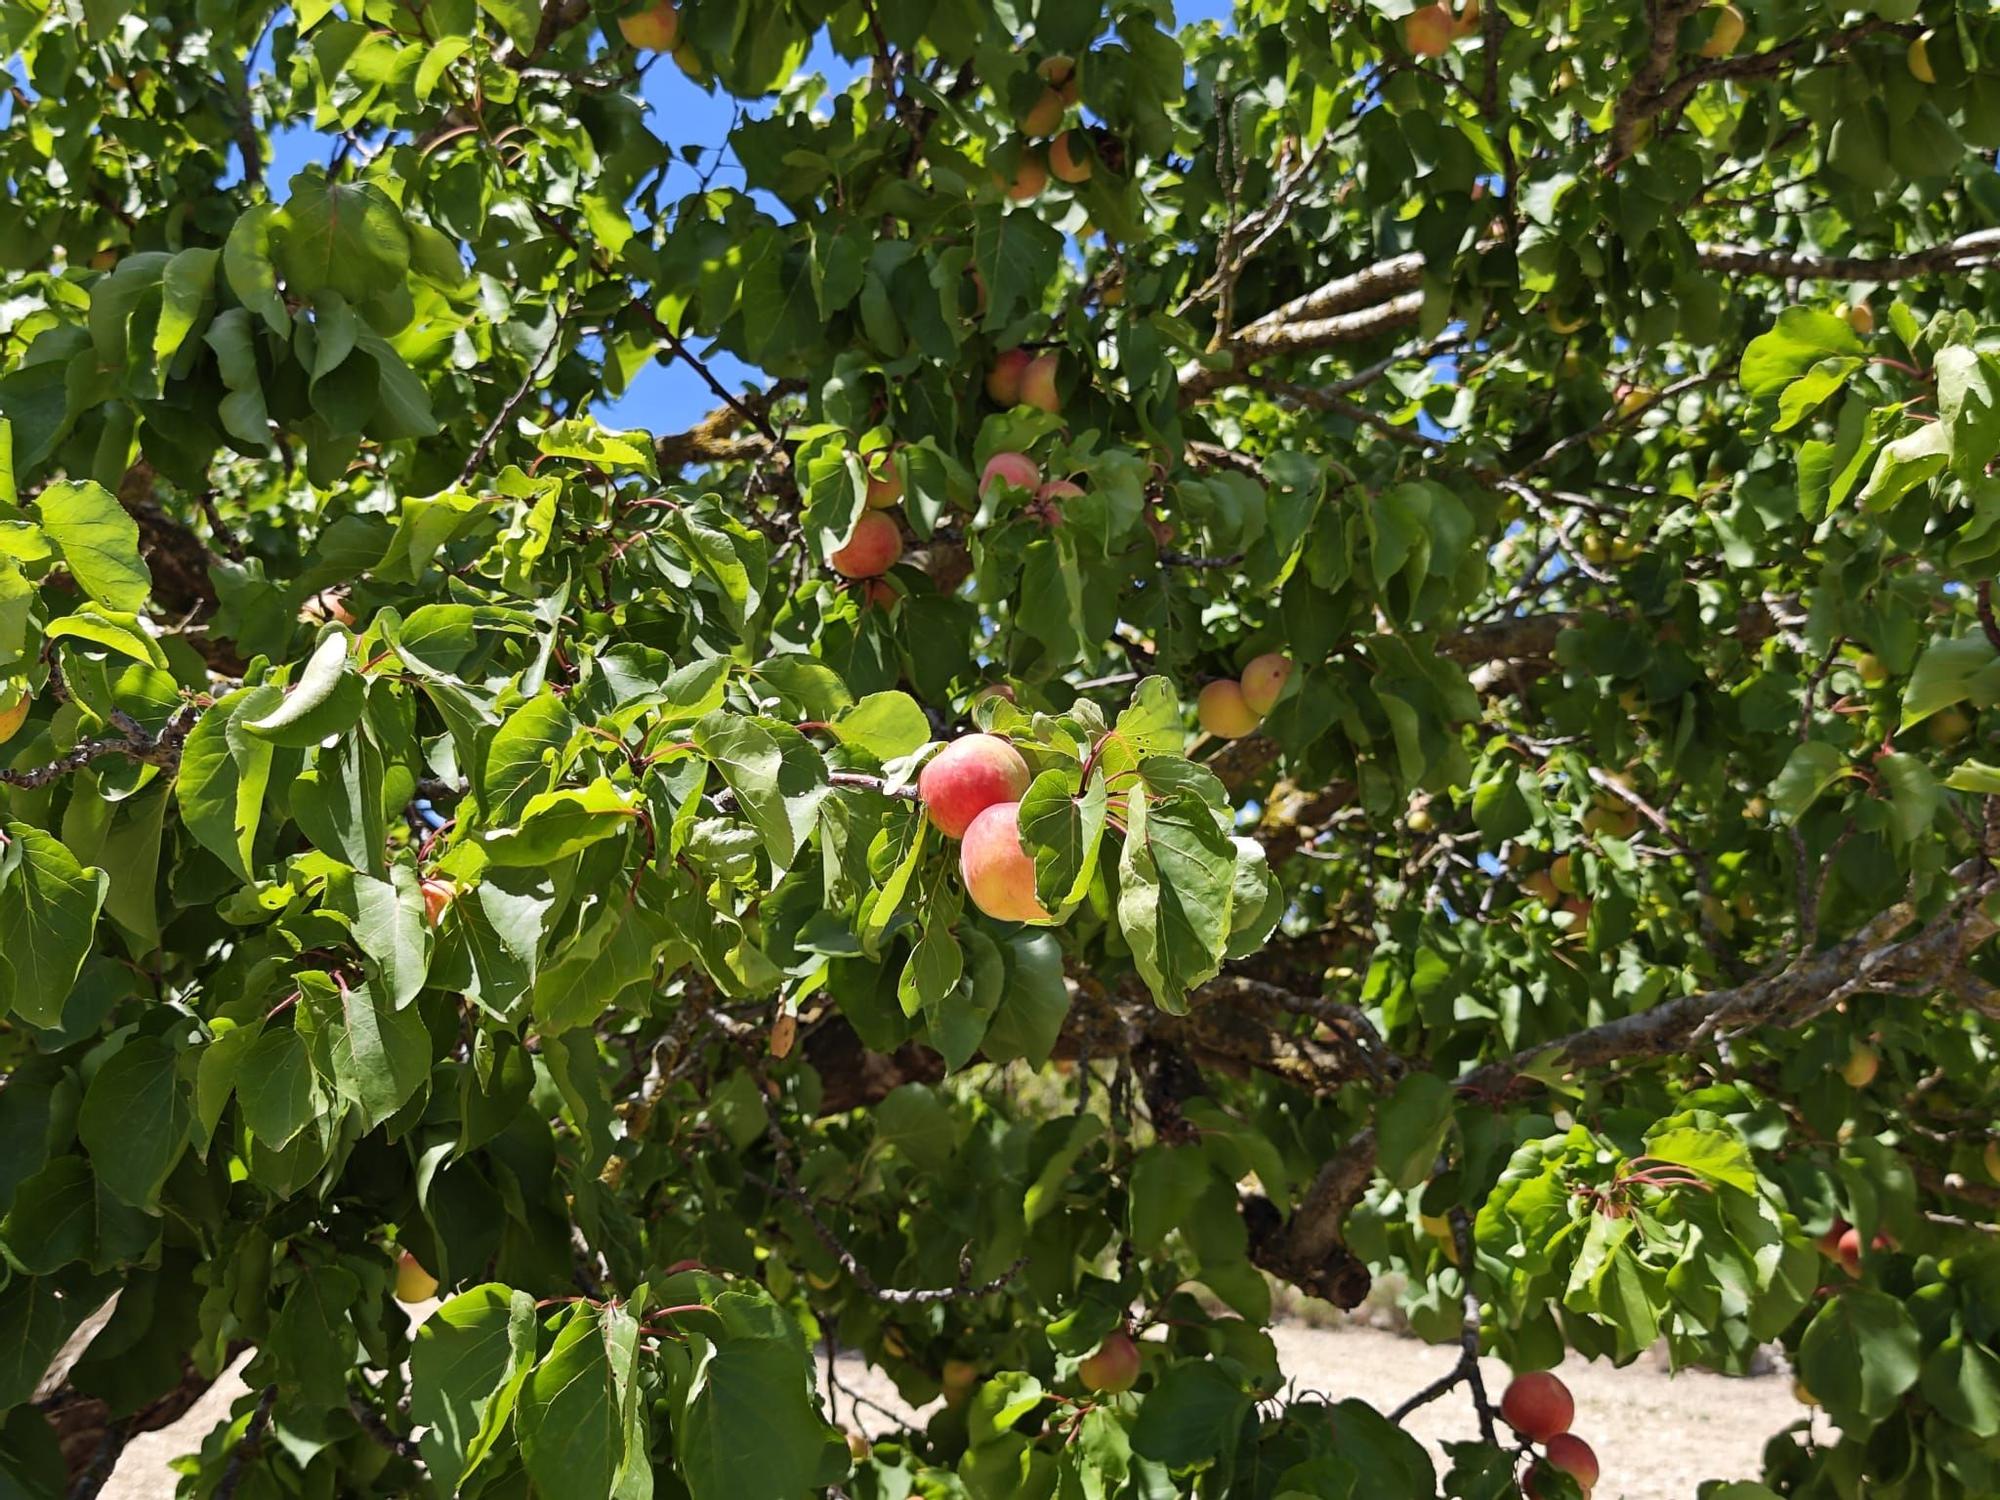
(718,437)
(1260,341)
(1981,247)
(1637,103)
(134,741)
(1874,959)
(1670,99)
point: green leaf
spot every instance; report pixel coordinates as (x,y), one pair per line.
(467,1363)
(115,630)
(39,1314)
(778,778)
(376,1056)
(1034,1002)
(525,755)
(244,414)
(1951,671)
(48,911)
(1167,1182)
(1974,776)
(999,1403)
(746,1423)
(521,19)
(582,438)
(557,824)
(1859,1354)
(1802,337)
(134,1120)
(344,237)
(187,292)
(275,1087)
(1717,1155)
(1386,1458)
(324,671)
(1913,795)
(1968,387)
(99,542)
(1811,768)
(1805,395)
(1176,881)
(933,968)
(1499,808)
(1961,1380)
(1192,1413)
(1063,834)
(888,725)
(1410,1128)
(391,928)
(223,774)
(53,1218)
(1906,463)
(248,267)
(1150,725)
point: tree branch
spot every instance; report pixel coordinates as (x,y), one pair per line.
(162,749)
(1981,247)
(1868,961)
(1637,104)
(558,16)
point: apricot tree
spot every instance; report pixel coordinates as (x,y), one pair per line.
(453,837)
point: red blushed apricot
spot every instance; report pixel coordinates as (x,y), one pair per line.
(1015,469)
(655,29)
(999,876)
(885,480)
(1038,383)
(1003,381)
(871,551)
(438,895)
(1113,1367)
(1264,678)
(1575,1457)
(968,776)
(1538,1406)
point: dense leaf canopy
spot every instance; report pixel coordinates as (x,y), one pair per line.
(442,828)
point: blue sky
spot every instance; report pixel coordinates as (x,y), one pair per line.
(668,398)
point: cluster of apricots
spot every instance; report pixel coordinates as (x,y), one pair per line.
(972,790)
(1230,708)
(1018,378)
(1068,153)
(1539,1407)
(1841,1244)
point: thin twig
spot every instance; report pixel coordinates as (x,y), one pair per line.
(162,750)
(751,414)
(247,1447)
(1986,621)
(482,449)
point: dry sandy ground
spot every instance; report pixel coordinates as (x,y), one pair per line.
(1658,1435)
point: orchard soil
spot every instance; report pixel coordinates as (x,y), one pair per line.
(1657,1434)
